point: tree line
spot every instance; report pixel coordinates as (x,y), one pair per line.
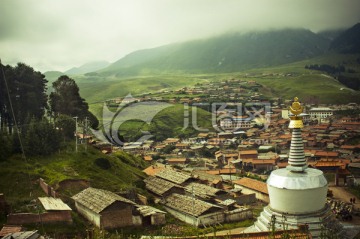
(339,72)
(32,121)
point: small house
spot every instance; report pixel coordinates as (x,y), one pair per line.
(151,216)
(194,211)
(105,209)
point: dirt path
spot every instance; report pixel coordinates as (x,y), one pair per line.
(340,193)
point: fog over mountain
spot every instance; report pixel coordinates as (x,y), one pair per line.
(59,35)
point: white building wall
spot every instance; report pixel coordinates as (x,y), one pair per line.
(88,214)
(297,201)
(238,215)
(137,220)
(212,218)
(158,219)
(208,219)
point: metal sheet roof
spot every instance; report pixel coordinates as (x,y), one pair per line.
(159,186)
(53,204)
(98,199)
(173,176)
(202,190)
(189,205)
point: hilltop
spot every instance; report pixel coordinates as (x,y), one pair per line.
(225,53)
(88,67)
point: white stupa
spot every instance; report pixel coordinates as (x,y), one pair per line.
(297,193)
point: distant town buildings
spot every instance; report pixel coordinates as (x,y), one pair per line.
(322,115)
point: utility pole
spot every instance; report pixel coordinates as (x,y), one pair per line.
(193,202)
(86,125)
(76,143)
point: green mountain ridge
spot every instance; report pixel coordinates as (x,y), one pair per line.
(348,42)
(88,67)
(226,53)
(177,65)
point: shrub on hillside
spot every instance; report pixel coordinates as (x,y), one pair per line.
(103,163)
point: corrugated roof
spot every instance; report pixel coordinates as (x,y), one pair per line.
(158,186)
(189,205)
(246,152)
(53,204)
(203,175)
(201,190)
(173,176)
(147,210)
(98,199)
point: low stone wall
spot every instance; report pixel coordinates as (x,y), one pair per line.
(47,188)
(46,218)
(246,199)
(238,215)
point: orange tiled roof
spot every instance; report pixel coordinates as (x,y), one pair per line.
(222,171)
(252,184)
(176,160)
(147,158)
(282,164)
(348,146)
(263,161)
(152,170)
(246,152)
(328,164)
(285,136)
(326,154)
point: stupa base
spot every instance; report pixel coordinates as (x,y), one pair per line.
(315,222)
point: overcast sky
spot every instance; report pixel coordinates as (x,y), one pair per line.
(61,34)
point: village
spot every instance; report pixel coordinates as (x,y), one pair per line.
(215,177)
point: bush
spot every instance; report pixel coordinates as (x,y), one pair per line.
(103,163)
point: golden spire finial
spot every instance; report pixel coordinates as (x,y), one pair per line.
(296,108)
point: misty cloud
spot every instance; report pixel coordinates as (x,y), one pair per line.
(58,35)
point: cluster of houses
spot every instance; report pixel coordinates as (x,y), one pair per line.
(201,181)
(208,179)
(327,143)
(233,90)
(198,197)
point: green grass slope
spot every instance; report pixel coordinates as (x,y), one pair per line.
(170,122)
(311,88)
(306,82)
(19,178)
